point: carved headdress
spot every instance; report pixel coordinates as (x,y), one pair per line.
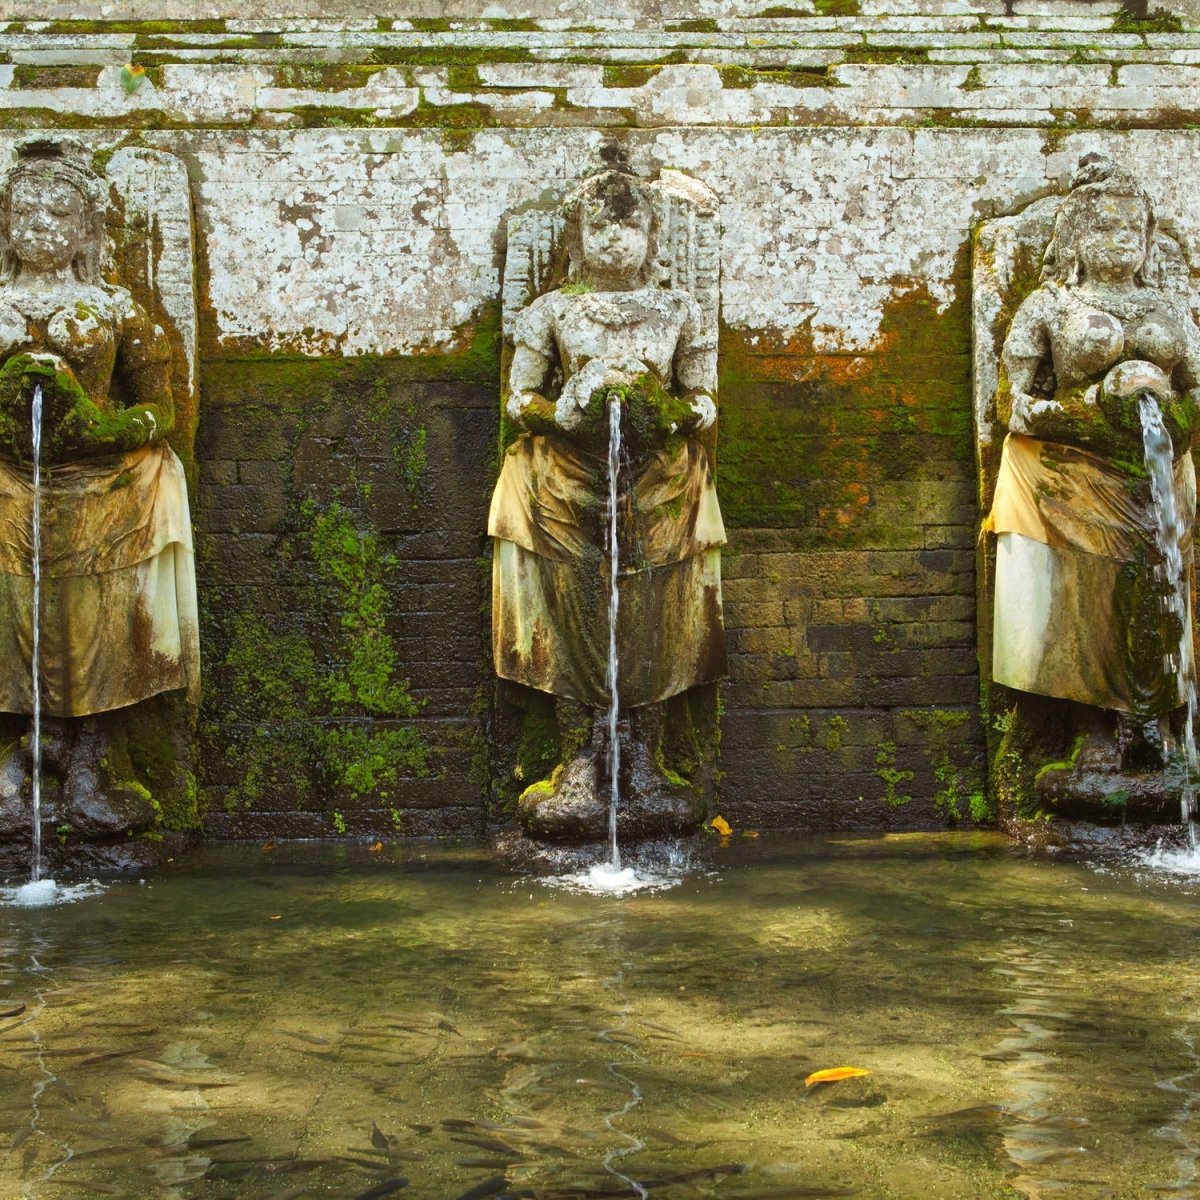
(1097,175)
(46,160)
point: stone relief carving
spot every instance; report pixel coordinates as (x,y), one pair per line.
(1085,624)
(119,629)
(617,293)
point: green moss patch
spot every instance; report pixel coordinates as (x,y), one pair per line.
(819,443)
(307,723)
(29,75)
(1135,19)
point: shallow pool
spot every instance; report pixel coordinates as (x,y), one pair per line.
(330,1021)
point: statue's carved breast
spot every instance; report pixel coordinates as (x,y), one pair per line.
(83,332)
(644,325)
(1158,338)
(1087,343)
(82,335)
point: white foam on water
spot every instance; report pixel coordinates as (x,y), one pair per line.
(41,893)
(604,879)
(1185,863)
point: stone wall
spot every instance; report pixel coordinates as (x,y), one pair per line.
(351,178)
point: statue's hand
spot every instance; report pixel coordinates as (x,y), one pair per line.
(1029,413)
(519,403)
(25,371)
(1122,390)
(595,381)
(55,364)
(61,392)
(704,409)
(77,428)
(582,408)
(130,429)
(140,427)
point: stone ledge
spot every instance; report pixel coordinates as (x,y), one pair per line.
(968,91)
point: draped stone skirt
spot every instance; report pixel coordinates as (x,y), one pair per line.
(119,620)
(551,571)
(1082,605)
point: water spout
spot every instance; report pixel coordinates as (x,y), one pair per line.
(35,667)
(1170,528)
(614,744)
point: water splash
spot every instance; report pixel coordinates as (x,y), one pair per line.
(1170,529)
(42,893)
(35,663)
(603,879)
(657,866)
(614,744)
(1170,861)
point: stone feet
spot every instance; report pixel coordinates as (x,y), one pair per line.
(572,805)
(80,796)
(1119,769)
(654,801)
(94,804)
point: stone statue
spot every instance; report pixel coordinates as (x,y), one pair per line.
(119,616)
(1084,611)
(609,328)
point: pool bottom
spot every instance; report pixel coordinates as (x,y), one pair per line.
(324,1020)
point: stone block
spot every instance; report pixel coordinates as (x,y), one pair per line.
(1147,75)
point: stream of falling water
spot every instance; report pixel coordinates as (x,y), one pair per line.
(39,891)
(1170,527)
(614,744)
(35,667)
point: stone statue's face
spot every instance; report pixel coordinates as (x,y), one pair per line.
(45,223)
(615,247)
(1112,243)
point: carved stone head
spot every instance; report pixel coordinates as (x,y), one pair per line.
(1106,222)
(611,230)
(52,210)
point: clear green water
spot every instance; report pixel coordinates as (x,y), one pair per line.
(322,1021)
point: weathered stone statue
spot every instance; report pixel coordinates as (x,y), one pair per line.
(118,597)
(1083,603)
(609,328)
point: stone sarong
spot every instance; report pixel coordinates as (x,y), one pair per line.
(550,574)
(119,614)
(1078,600)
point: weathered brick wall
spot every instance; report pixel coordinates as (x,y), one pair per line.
(850,587)
(351,179)
(275,457)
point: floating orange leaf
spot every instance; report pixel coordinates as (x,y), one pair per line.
(833,1074)
(375,849)
(268,846)
(721,826)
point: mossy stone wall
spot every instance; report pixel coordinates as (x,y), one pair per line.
(343,593)
(351,183)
